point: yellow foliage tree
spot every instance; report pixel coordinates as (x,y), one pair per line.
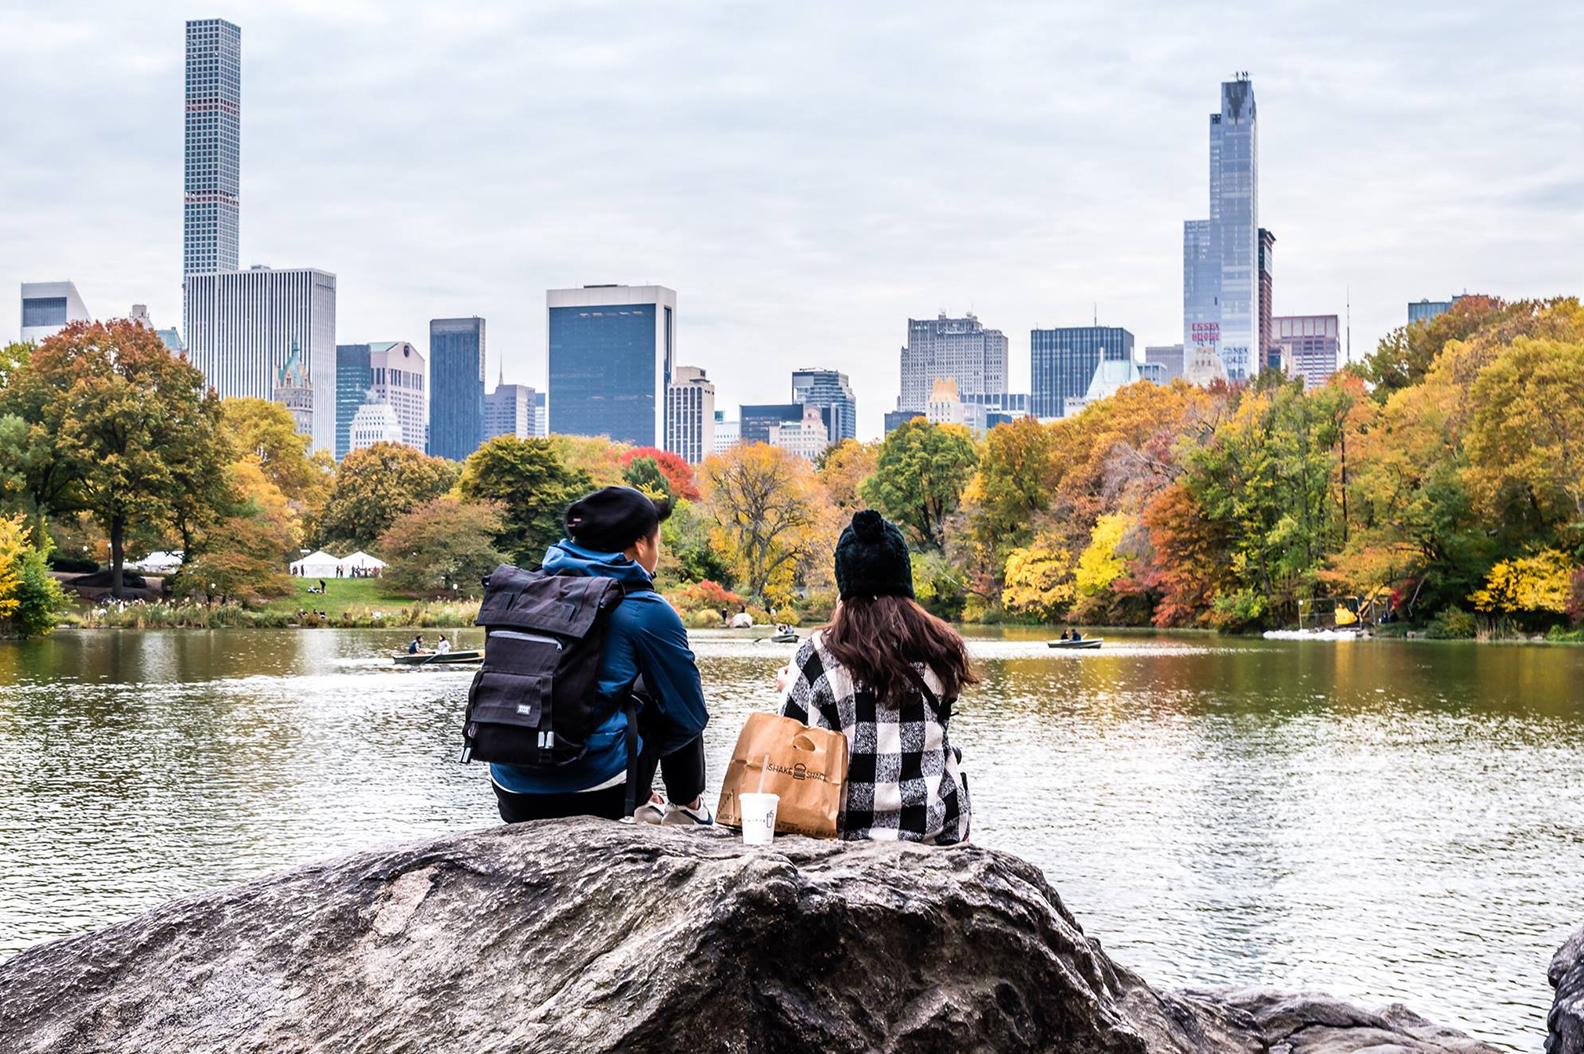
(13,546)
(768,512)
(1538,583)
(1099,565)
(1039,578)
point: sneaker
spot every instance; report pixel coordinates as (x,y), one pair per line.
(684,815)
(654,810)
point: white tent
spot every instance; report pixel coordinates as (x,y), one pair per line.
(316,565)
(361,561)
(157,563)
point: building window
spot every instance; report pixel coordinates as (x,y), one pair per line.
(44,311)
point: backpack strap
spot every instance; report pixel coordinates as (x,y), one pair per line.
(630,709)
(941,710)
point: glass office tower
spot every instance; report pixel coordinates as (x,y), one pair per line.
(1062,363)
(456,386)
(354,378)
(1221,254)
(832,393)
(610,349)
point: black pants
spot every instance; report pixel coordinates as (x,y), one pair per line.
(682,771)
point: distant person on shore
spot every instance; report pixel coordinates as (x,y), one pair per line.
(885,673)
(442,646)
(415,646)
(615,533)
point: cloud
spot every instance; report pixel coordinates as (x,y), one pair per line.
(805,176)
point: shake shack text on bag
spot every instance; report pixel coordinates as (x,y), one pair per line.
(807,769)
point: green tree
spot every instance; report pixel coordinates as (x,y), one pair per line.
(375,485)
(1016,480)
(531,485)
(444,547)
(644,474)
(920,475)
(686,553)
(12,358)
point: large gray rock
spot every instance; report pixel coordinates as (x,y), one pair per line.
(583,936)
(1565,1023)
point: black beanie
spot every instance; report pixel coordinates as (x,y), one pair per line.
(872,559)
(612,518)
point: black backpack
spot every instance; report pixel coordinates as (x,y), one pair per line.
(535,701)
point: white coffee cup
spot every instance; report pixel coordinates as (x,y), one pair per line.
(758,817)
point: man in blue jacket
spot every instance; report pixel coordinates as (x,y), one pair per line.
(615,533)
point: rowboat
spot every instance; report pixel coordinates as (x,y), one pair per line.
(1087,642)
(433,658)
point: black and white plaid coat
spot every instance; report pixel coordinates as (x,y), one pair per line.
(903,778)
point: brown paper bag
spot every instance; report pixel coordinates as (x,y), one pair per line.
(808,769)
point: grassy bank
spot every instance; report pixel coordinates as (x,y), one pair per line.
(347,603)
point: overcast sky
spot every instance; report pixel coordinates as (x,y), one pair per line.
(806,175)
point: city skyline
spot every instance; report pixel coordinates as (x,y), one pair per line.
(1435,179)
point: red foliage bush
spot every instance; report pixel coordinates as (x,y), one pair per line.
(676,471)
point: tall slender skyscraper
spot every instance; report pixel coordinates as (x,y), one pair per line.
(213,146)
(1221,254)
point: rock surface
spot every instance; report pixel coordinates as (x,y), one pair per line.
(583,936)
(1565,1023)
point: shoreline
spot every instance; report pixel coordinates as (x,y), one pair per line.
(441,615)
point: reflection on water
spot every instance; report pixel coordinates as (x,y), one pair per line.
(1388,821)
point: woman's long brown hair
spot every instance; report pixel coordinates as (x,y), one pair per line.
(878,639)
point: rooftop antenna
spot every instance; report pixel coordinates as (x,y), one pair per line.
(1349,295)
(1097,313)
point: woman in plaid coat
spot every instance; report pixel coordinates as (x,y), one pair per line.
(886,673)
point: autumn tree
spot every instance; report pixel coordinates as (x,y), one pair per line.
(263,429)
(766,507)
(243,555)
(375,485)
(1039,579)
(31,602)
(597,457)
(121,427)
(1526,434)
(919,476)
(844,468)
(1404,355)
(530,486)
(444,547)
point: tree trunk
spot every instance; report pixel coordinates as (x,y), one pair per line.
(117,556)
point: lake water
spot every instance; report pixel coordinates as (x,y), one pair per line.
(1382,820)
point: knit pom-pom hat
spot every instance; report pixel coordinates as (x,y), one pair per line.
(872,559)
